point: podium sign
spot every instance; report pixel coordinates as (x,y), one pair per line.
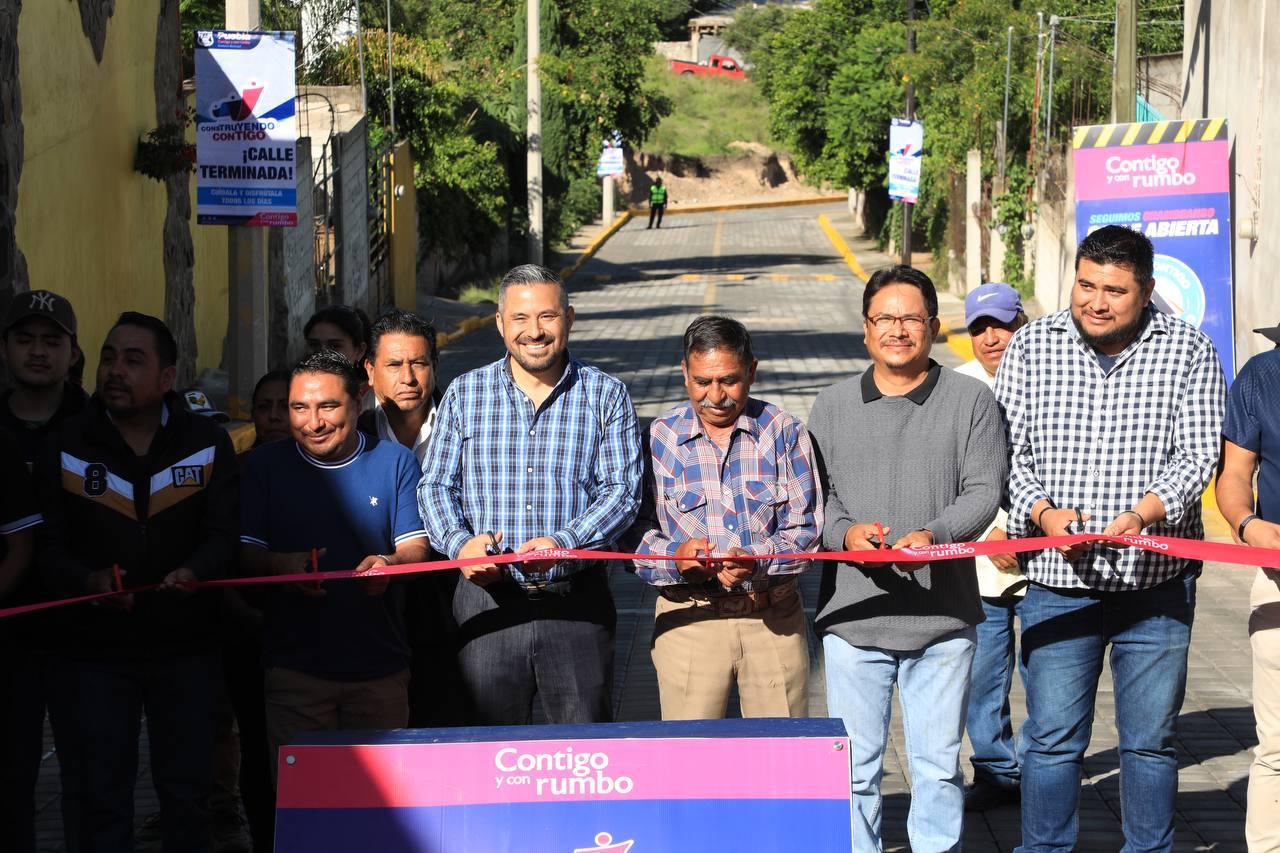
(759,785)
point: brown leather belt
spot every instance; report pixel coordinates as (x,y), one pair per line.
(732,604)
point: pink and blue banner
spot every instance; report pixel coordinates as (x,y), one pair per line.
(759,785)
(1171,180)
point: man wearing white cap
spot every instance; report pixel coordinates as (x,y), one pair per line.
(992,313)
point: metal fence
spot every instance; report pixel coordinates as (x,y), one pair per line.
(380,199)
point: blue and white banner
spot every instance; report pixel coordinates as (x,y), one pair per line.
(246,128)
(906,153)
(1171,180)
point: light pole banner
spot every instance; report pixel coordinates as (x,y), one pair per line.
(906,152)
(246,128)
(1171,180)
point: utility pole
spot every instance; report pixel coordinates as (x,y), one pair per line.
(247,316)
(1124,89)
(1004,124)
(1035,101)
(391,89)
(911,114)
(534,133)
(1048,121)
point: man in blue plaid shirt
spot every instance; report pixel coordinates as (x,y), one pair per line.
(537,450)
(1114,411)
(728,475)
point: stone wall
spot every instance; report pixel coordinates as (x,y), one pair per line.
(1230,69)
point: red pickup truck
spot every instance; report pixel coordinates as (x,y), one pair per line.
(716,66)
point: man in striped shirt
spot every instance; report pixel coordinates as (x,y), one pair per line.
(1113,411)
(537,450)
(727,475)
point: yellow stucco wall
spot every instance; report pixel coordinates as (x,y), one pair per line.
(89,225)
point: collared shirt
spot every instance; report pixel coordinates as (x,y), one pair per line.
(993,581)
(760,494)
(568,469)
(1099,440)
(375,422)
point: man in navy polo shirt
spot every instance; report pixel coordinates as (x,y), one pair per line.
(1251,443)
(336,654)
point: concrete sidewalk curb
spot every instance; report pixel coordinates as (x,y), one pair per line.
(465,328)
(850,259)
(744,205)
(594,246)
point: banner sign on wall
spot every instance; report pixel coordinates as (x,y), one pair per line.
(1171,180)
(246,128)
(906,153)
(762,785)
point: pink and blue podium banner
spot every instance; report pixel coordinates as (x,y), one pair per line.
(758,785)
(1171,180)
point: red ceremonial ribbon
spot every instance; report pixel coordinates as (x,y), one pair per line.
(1190,549)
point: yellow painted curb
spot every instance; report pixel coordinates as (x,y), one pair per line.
(960,342)
(594,246)
(744,205)
(843,248)
(465,328)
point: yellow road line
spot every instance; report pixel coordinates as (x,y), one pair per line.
(842,247)
(709,296)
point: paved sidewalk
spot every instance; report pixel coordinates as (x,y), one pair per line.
(777,271)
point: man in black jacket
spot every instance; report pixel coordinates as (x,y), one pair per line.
(138,491)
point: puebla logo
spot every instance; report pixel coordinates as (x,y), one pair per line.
(239,106)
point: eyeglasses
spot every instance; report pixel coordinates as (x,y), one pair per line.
(910,323)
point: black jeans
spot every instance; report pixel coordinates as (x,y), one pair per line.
(436,692)
(242,663)
(177,695)
(21,740)
(658,210)
(558,647)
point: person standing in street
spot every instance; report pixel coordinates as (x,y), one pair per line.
(912,455)
(401,364)
(1114,413)
(1251,444)
(40,351)
(333,498)
(136,490)
(730,475)
(537,450)
(992,313)
(657,201)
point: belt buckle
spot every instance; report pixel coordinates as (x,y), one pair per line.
(735,605)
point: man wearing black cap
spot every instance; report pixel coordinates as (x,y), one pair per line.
(38,342)
(40,350)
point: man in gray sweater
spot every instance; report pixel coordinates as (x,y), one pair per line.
(912,455)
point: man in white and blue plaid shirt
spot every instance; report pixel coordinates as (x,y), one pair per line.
(1114,411)
(537,450)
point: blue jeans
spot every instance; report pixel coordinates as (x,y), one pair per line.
(1064,637)
(933,688)
(995,757)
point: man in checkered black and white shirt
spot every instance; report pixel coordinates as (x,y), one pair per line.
(1114,411)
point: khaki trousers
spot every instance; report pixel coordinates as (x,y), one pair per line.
(297,702)
(1262,825)
(699,656)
